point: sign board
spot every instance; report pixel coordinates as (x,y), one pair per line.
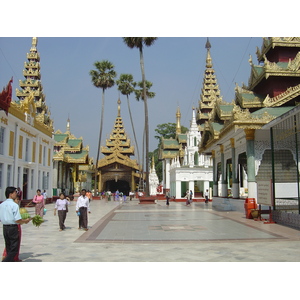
(264,192)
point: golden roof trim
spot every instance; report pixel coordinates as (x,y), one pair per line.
(282,98)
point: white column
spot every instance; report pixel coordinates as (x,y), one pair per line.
(178,189)
(16,158)
(167,173)
(164,174)
(192,187)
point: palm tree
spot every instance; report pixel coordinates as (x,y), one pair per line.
(140,42)
(126,86)
(139,94)
(102,77)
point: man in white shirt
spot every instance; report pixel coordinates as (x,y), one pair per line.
(83,207)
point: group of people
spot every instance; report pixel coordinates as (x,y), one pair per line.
(82,209)
(11,218)
(117,195)
(189,197)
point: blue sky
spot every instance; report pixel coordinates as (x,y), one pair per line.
(174,65)
(70,43)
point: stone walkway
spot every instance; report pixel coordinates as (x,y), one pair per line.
(131,232)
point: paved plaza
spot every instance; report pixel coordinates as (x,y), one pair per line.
(133,232)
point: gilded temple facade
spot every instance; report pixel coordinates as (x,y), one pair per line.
(234,134)
(117,171)
(72,167)
(26,143)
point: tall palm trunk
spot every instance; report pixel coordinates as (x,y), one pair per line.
(133,130)
(99,142)
(135,140)
(146,119)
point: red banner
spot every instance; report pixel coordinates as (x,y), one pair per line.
(5,97)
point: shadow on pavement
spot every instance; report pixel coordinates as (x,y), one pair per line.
(30,257)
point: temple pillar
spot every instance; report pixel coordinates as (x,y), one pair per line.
(235,190)
(55,174)
(99,185)
(178,189)
(164,175)
(192,187)
(224,191)
(133,187)
(215,176)
(167,186)
(252,186)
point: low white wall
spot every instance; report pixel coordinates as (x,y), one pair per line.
(220,203)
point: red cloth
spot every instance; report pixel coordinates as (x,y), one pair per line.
(5,97)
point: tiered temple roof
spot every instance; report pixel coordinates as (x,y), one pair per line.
(273,88)
(174,147)
(69,149)
(31,104)
(211,104)
(118,148)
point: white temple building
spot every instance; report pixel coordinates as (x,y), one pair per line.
(183,167)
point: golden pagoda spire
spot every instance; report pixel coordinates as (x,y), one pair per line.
(210,93)
(32,84)
(178,125)
(118,142)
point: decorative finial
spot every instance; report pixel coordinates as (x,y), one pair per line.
(34,43)
(119,107)
(208,57)
(207,45)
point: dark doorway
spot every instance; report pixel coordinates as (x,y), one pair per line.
(25,187)
(121,185)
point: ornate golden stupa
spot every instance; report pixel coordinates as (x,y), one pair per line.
(117,170)
(31,106)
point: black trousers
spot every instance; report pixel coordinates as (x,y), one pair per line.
(11,238)
(83,222)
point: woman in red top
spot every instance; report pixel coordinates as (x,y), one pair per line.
(40,203)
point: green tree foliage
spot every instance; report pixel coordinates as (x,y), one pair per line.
(164,131)
(139,92)
(167,131)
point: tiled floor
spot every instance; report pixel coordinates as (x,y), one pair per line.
(168,225)
(132,232)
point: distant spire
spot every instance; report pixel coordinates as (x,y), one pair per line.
(68,125)
(178,125)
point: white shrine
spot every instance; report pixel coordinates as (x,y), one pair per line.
(183,167)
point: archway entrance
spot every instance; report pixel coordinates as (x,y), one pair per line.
(121,185)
